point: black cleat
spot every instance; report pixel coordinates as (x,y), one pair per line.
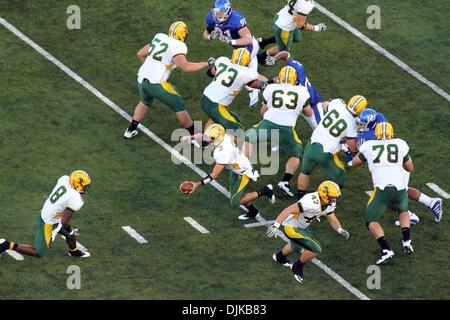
(79,254)
(283,260)
(297,269)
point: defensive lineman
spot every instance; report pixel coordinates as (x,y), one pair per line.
(55,217)
(159,59)
(387,157)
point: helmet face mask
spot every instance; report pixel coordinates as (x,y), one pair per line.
(221,10)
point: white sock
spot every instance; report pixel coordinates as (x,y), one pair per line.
(426,200)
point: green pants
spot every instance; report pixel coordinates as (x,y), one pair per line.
(238,185)
(43,238)
(288,138)
(164,92)
(381,199)
(301,239)
(314,156)
(221,114)
(285,38)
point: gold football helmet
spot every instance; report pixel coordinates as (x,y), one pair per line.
(384,131)
(178,30)
(329,193)
(241,56)
(216,133)
(356,105)
(80,181)
(288,75)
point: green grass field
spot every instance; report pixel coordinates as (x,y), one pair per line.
(50,126)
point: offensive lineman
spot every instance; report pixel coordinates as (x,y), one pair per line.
(282,105)
(159,58)
(295,221)
(55,217)
(230,77)
(387,157)
(227,155)
(338,124)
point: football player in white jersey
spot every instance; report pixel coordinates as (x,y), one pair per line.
(159,58)
(286,27)
(295,220)
(230,76)
(228,156)
(282,105)
(338,125)
(387,158)
(55,217)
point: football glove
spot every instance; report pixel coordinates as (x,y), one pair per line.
(263,85)
(320,27)
(270,61)
(214,34)
(225,39)
(211,61)
(272,231)
(344,233)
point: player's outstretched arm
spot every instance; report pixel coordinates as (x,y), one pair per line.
(187,66)
(142,54)
(218,168)
(336,225)
(357,161)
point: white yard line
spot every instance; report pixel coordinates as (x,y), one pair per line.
(383,51)
(259,224)
(438,190)
(140,239)
(125,115)
(196,225)
(15,255)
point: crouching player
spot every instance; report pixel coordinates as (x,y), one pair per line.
(227,155)
(56,216)
(387,157)
(295,221)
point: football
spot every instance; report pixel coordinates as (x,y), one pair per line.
(186,187)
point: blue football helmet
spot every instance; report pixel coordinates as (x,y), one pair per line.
(221,10)
(366,120)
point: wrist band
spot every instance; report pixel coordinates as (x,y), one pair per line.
(233,42)
(276,225)
(206,180)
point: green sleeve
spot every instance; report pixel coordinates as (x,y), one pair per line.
(362,157)
(406,158)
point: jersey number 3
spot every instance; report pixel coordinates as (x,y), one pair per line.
(230,75)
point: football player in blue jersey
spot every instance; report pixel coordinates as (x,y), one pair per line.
(367,121)
(229,26)
(316,100)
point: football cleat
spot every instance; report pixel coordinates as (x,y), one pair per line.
(79,254)
(284,185)
(385,256)
(284,261)
(248,215)
(436,207)
(130,134)
(407,247)
(298,272)
(254,98)
(270,194)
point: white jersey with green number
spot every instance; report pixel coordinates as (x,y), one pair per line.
(233,159)
(285,102)
(288,15)
(336,124)
(62,196)
(159,63)
(310,209)
(385,159)
(228,82)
